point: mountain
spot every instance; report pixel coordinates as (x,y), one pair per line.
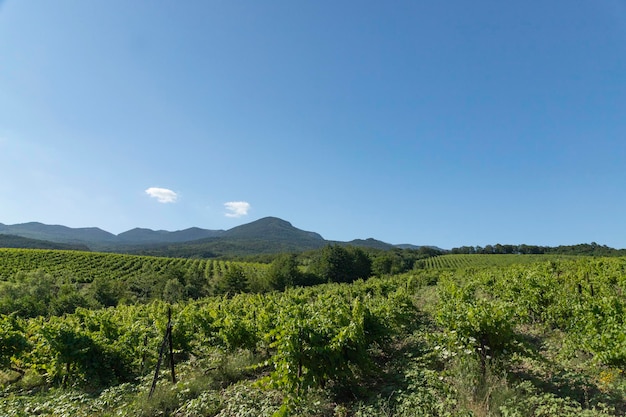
(12,241)
(368,243)
(59,234)
(139,235)
(272,228)
(99,239)
(410,246)
(268,235)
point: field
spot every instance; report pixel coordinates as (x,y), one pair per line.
(86,267)
(454,261)
(53,282)
(460,335)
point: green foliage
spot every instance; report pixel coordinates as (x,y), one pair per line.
(454,262)
(234,281)
(538,339)
(313,338)
(477,322)
(283,273)
(336,263)
(30,294)
(530,402)
(106,291)
(51,282)
(397,261)
(13,342)
(173,291)
(75,353)
(586,249)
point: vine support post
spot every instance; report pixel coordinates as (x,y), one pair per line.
(167,338)
(171,345)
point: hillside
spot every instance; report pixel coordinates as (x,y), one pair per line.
(58,233)
(12,241)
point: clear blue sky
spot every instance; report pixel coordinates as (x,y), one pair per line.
(441,123)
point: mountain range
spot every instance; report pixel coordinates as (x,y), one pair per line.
(264,236)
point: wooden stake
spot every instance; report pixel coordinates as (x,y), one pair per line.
(166,338)
(169,338)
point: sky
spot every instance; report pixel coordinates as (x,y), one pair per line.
(432,123)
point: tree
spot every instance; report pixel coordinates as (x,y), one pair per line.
(336,263)
(234,281)
(283,272)
(173,291)
(382,264)
(28,294)
(331,264)
(361,264)
(68,299)
(106,291)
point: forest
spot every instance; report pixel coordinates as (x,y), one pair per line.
(338,331)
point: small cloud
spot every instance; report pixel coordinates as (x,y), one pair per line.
(163,195)
(237,208)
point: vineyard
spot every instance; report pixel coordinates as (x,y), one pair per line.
(53,282)
(458,261)
(468,335)
(86,267)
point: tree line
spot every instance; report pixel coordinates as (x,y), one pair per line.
(589,249)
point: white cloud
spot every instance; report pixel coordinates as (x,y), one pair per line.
(237,208)
(163,195)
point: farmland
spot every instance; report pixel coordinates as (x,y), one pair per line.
(89,266)
(459,335)
(457,261)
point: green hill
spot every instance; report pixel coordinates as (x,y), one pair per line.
(12,241)
(269,235)
(58,233)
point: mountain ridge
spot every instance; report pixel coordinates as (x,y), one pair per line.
(57,233)
(261,236)
(19,242)
(143,235)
